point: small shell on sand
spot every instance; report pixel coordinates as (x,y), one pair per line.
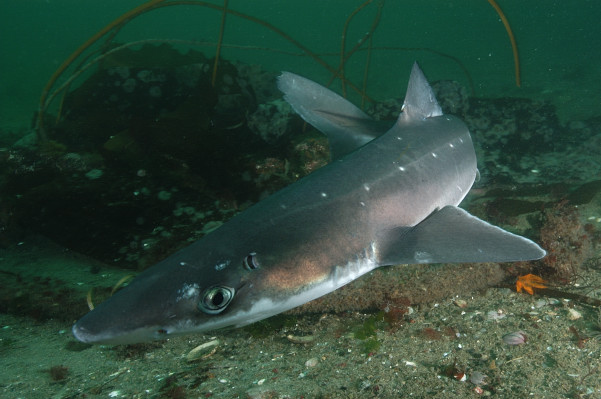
(307,339)
(203,351)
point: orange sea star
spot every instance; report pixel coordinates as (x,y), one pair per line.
(529,282)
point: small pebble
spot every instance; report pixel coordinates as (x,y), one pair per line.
(477,378)
(311,362)
(574,314)
(460,302)
(545,301)
(261,393)
(495,315)
(94,174)
(164,195)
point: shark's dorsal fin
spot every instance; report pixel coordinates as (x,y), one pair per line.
(452,235)
(420,102)
(346,126)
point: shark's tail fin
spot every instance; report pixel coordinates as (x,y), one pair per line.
(346,126)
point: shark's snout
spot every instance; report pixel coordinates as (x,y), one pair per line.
(82,334)
(116,321)
(87,333)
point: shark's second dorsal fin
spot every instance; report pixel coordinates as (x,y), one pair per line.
(420,101)
(346,126)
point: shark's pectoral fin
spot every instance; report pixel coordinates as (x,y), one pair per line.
(452,235)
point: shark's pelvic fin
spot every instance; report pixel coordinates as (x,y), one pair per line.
(452,235)
(420,102)
(346,126)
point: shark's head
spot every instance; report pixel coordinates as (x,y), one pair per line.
(178,296)
(230,278)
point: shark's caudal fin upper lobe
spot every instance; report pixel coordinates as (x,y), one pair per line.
(346,126)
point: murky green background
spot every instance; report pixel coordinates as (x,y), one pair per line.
(558,43)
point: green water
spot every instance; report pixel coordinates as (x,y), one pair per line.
(418,352)
(558,44)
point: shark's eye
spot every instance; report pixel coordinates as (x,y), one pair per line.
(215,299)
(250,262)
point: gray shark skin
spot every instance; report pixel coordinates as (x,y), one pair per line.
(387,198)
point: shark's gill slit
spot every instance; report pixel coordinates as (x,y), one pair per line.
(215,299)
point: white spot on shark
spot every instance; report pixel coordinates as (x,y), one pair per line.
(435,155)
(422,257)
(366,187)
(187,291)
(324,195)
(402,169)
(222,265)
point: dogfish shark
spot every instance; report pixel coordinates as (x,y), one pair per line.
(388,197)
